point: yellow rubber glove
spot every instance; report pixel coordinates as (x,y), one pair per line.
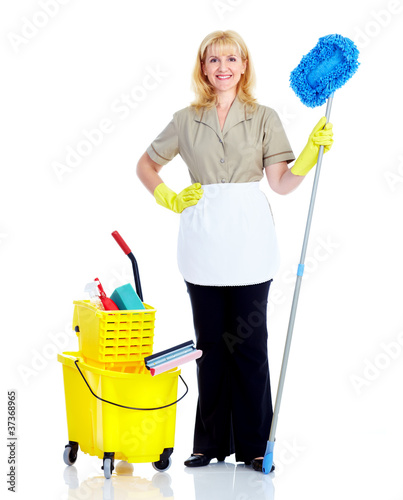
(178,202)
(309,156)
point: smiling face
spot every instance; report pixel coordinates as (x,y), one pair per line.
(224,69)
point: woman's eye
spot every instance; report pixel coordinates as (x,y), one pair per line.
(232,59)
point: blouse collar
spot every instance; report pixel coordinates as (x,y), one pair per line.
(236,114)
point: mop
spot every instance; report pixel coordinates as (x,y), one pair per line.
(323,70)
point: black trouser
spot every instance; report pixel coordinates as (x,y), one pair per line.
(234,409)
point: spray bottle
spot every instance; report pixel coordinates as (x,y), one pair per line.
(108,303)
(93,291)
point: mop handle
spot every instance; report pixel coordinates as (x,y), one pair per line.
(298,283)
(121,242)
(125,247)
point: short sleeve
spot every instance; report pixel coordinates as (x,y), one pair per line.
(166,146)
(276,147)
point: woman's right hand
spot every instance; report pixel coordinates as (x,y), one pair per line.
(178,202)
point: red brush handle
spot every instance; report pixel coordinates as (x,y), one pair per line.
(121,242)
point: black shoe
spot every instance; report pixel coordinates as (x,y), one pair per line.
(257,464)
(197,461)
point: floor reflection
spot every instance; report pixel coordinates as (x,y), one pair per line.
(121,486)
(227,481)
(217,481)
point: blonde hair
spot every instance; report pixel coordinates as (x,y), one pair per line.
(204,91)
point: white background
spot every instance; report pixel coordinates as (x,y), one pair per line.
(63,73)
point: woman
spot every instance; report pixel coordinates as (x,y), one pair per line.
(227,248)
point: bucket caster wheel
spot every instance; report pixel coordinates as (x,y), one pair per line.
(108,464)
(70,453)
(162,465)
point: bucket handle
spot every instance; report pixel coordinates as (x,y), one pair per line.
(130,407)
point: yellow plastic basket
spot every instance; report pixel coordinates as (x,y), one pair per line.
(98,427)
(109,338)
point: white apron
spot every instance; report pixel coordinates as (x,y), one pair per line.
(228,238)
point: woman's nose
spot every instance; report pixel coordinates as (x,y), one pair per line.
(223,65)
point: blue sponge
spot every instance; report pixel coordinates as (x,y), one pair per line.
(326,68)
(126,298)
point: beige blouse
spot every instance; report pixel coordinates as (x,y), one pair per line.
(248,142)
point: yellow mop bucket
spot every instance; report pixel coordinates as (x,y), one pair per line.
(127,416)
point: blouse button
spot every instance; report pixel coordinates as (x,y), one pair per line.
(222,160)
(222,180)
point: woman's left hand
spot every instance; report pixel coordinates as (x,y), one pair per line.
(321,135)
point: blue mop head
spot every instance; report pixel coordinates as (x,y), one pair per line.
(324,69)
